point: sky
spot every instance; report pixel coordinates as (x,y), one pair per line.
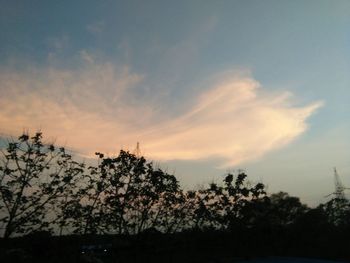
(205,87)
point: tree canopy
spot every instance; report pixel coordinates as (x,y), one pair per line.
(43,188)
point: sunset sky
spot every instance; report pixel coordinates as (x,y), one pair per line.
(206,87)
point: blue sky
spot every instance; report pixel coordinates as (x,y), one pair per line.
(161,72)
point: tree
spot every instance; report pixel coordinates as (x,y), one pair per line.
(285,209)
(225,206)
(34,178)
(239,198)
(123,195)
(338,211)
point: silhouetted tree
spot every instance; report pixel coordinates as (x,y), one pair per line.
(338,211)
(237,196)
(34,178)
(123,195)
(285,209)
(225,206)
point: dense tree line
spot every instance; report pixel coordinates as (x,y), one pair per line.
(50,201)
(48,198)
(43,188)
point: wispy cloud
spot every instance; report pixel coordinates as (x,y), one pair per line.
(96,109)
(232,121)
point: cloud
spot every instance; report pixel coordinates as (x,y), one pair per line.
(98,108)
(232,121)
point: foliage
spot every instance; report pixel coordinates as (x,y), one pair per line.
(34,178)
(221,207)
(43,189)
(285,209)
(337,211)
(123,195)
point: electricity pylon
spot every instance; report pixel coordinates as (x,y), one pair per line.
(339,187)
(337,208)
(137,150)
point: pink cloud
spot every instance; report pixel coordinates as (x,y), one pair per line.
(93,109)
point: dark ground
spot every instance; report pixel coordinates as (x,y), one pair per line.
(219,247)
